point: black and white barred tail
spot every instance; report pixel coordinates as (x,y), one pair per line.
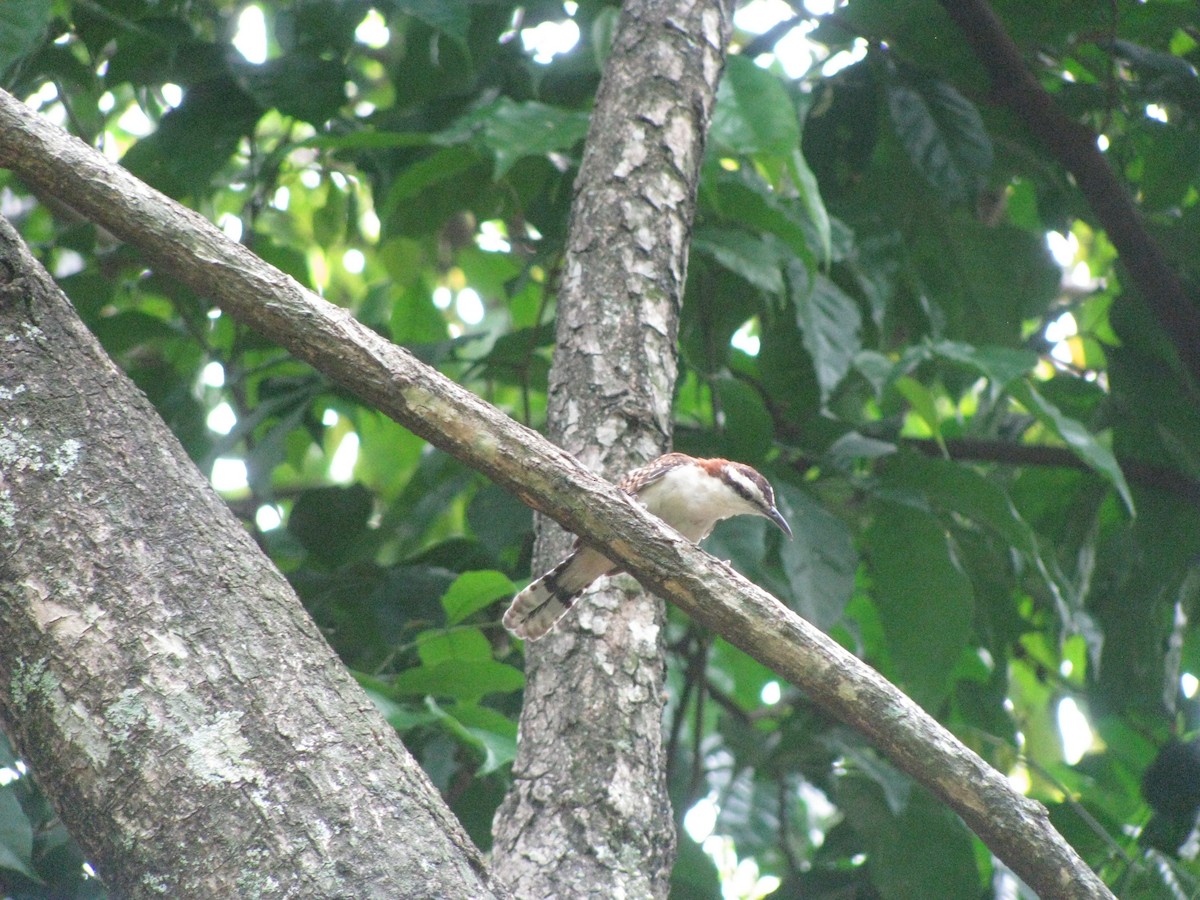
(534,611)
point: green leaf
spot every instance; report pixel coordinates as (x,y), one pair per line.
(387,454)
(749,806)
(925,851)
(22,24)
(983,280)
(923,403)
(1169,76)
(943,134)
(368,140)
(754,113)
(924,599)
(453,645)
(196,139)
(863,760)
(123,331)
(961,490)
(694,874)
(752,257)
(273,85)
(328,521)
(830,322)
(820,561)
(451,17)
(751,202)
(465,680)
(425,173)
(732,671)
(810,196)
(400,716)
(604,26)
(499,520)
(1000,365)
(16,836)
(748,430)
(473,591)
(1080,441)
(513,131)
(484,729)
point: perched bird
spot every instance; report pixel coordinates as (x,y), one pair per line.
(691,495)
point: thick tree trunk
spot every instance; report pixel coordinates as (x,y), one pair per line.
(197,734)
(588,814)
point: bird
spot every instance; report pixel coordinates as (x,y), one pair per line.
(691,495)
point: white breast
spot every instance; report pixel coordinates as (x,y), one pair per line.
(691,501)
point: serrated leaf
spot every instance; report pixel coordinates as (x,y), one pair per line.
(830,323)
(1078,439)
(473,591)
(943,134)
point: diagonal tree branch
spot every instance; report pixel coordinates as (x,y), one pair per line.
(1074,145)
(181,242)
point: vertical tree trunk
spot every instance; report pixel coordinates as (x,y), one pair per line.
(588,814)
(197,734)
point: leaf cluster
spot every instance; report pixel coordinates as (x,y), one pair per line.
(990,458)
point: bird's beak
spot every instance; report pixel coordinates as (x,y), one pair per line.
(775,516)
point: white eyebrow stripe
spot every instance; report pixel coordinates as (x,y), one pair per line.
(749,488)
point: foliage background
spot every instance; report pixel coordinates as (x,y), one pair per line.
(991,462)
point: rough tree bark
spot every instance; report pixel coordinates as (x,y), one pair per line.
(588,813)
(182,243)
(198,735)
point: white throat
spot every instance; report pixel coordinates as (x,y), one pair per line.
(692,501)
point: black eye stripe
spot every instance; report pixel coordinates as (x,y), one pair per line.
(742,489)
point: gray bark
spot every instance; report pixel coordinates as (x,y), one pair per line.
(588,813)
(197,735)
(178,241)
